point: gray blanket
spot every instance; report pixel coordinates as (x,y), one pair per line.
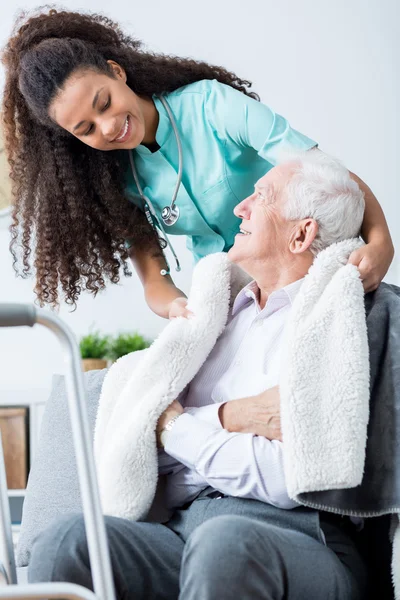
(379,492)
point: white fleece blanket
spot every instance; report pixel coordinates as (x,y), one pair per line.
(324,383)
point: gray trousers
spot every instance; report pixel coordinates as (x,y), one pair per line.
(215,548)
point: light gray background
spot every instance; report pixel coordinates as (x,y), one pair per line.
(330,67)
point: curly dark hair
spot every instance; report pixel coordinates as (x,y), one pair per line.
(69,203)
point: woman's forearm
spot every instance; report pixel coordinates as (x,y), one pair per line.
(375,227)
(160,294)
(159,290)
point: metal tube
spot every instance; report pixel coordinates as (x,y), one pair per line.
(100,562)
(50,591)
(17,315)
(6,542)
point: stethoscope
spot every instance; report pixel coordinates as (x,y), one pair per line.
(169,214)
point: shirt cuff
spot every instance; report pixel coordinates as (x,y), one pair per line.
(209,413)
(186,439)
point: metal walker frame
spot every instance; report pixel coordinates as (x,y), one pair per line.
(19,315)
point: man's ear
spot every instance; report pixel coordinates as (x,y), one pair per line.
(119,72)
(303,235)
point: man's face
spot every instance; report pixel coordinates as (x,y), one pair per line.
(264,232)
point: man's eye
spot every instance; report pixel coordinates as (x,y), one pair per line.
(260,196)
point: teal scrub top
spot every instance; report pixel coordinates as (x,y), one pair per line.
(228,141)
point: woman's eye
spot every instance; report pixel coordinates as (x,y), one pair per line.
(107,105)
(89,131)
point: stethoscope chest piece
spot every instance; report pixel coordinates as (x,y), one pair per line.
(170,214)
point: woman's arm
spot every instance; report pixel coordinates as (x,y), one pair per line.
(374,259)
(161,294)
(254,125)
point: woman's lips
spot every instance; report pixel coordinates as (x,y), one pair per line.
(125,131)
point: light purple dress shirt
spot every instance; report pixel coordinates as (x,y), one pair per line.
(245,361)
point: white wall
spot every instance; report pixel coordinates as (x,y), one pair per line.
(330,67)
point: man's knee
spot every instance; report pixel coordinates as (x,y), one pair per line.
(56,550)
(222,558)
(221,544)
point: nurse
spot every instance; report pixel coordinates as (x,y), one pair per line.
(109,144)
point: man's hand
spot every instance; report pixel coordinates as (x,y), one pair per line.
(259,415)
(175,409)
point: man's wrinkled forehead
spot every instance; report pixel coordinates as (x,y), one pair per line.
(275,180)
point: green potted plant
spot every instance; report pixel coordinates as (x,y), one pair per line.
(94,349)
(125,343)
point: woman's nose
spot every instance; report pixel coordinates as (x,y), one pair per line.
(109,129)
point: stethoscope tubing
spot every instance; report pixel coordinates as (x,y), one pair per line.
(180,153)
(172,208)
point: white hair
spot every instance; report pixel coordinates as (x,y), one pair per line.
(321,188)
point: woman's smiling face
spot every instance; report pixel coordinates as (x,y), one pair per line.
(100,109)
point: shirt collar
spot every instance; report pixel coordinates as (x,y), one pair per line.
(164,127)
(251,293)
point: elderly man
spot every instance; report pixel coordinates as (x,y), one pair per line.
(234,532)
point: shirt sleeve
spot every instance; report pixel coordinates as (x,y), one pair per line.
(236,464)
(169,465)
(252,124)
(208,413)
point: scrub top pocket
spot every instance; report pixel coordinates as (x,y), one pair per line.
(210,203)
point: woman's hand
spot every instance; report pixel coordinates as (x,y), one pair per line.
(178,308)
(373,262)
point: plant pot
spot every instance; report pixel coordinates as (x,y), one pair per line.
(91,364)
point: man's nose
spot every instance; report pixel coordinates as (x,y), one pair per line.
(243,209)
